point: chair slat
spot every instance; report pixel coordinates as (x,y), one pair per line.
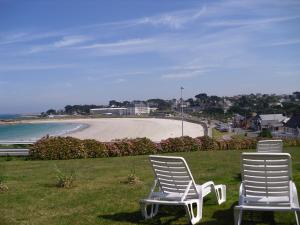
(266,174)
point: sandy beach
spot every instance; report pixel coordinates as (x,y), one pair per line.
(106,129)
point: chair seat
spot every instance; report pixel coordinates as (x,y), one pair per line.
(175,185)
(267,208)
(267,200)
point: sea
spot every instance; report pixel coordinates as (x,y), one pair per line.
(33,132)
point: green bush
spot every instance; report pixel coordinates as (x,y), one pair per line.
(71,148)
(58,148)
(64,180)
(180,144)
(143,146)
(265,134)
(126,147)
(94,149)
(208,143)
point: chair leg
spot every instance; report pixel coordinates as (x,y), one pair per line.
(153,210)
(238,214)
(190,212)
(221,193)
(296,216)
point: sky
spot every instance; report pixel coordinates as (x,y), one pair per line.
(59,52)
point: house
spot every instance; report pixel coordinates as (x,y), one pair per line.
(246,122)
(272,122)
(139,108)
(293,125)
(238,120)
(251,122)
(117,111)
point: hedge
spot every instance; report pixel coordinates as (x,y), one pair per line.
(73,148)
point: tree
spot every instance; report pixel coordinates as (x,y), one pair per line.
(68,109)
(115,103)
(51,112)
(191,101)
(202,97)
(160,104)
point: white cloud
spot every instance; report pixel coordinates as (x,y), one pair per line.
(248,22)
(185,72)
(65,41)
(121,47)
(118,44)
(70,40)
(23,37)
(172,20)
(284,42)
(23,67)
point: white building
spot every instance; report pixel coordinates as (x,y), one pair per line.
(109,111)
(138,109)
(272,122)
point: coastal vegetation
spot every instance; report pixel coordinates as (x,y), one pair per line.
(100,195)
(203,105)
(54,148)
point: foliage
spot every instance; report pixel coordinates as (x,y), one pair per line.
(265,133)
(58,148)
(181,144)
(64,180)
(72,148)
(80,109)
(94,149)
(132,178)
(125,147)
(3,186)
(161,104)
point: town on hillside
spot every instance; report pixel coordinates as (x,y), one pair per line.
(241,114)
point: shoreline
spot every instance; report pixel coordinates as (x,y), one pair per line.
(107,129)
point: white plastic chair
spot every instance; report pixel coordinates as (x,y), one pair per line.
(174,185)
(271,146)
(266,184)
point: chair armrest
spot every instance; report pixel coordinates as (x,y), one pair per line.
(241,193)
(294,194)
(186,190)
(152,189)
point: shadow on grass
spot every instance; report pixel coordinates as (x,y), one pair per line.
(237,177)
(166,215)
(224,217)
(176,215)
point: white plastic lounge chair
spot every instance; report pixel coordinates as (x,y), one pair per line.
(269,146)
(174,185)
(266,184)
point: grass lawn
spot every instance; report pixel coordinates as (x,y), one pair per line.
(218,134)
(100,195)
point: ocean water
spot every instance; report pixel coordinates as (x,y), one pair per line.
(33,132)
(9,116)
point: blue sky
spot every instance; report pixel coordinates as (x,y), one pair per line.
(54,53)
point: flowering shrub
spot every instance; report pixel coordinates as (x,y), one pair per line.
(58,148)
(94,149)
(207,143)
(181,144)
(71,148)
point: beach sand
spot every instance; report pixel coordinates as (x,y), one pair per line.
(107,129)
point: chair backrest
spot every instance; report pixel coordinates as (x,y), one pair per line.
(269,146)
(266,175)
(173,175)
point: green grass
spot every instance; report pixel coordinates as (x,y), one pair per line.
(101,196)
(218,134)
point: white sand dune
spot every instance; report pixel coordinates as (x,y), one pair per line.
(106,129)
